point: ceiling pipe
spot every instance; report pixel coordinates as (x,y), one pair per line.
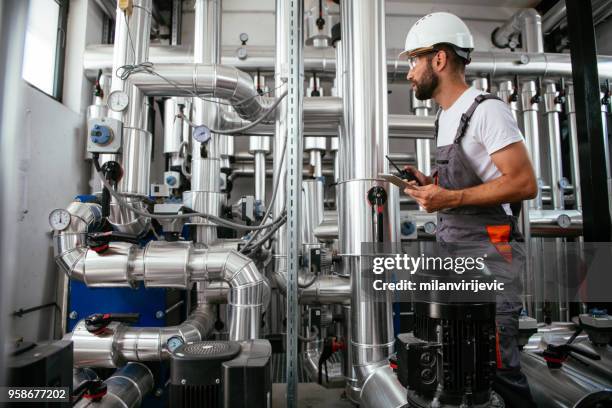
(527,23)
(497,64)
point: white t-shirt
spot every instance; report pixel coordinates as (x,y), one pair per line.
(491,128)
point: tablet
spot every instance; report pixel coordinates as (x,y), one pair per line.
(392,178)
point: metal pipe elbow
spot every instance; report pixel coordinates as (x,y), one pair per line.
(70,244)
(248,290)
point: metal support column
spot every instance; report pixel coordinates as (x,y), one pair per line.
(596,214)
(295,94)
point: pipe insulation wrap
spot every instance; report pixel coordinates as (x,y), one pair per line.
(163,264)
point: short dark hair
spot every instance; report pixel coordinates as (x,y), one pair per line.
(456,62)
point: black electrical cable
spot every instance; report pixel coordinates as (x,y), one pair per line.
(210,217)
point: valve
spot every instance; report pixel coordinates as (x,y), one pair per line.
(330,346)
(97,323)
(92,390)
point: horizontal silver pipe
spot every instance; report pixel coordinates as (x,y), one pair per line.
(327,289)
(163,264)
(494,63)
(126,388)
(319,121)
(122,343)
(564,387)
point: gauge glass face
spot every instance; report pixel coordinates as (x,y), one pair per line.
(201,134)
(59,219)
(244,37)
(118,101)
(174,342)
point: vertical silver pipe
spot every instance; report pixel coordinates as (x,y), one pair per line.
(206,171)
(312,209)
(339,162)
(132,47)
(280,132)
(532,135)
(531,31)
(315,162)
(604,125)
(260,177)
(365,115)
(423,146)
(482,84)
(573,134)
(552,109)
(505,91)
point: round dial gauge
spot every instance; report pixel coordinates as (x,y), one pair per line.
(564,221)
(244,37)
(59,219)
(201,134)
(174,342)
(118,101)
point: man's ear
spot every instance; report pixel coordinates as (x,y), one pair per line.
(440,60)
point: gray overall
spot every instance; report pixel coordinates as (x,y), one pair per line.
(491,224)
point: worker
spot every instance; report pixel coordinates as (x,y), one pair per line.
(482,166)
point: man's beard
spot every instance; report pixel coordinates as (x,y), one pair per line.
(425,88)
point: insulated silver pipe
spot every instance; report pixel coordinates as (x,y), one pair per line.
(364,148)
(506,92)
(312,209)
(281,61)
(532,135)
(162,264)
(260,177)
(423,146)
(132,47)
(574,152)
(557,181)
(528,24)
(553,17)
(529,64)
(604,124)
(327,289)
(126,388)
(123,343)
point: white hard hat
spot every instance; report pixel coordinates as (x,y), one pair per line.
(436,28)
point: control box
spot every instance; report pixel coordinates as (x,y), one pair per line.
(104,135)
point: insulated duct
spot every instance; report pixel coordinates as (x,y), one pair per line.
(126,388)
(526,64)
(162,264)
(122,343)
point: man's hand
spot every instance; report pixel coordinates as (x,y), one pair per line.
(433,197)
(423,179)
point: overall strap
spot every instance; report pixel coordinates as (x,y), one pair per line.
(467,116)
(436,124)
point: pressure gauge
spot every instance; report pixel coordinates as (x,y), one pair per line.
(430,227)
(174,342)
(564,221)
(201,134)
(244,37)
(118,101)
(59,219)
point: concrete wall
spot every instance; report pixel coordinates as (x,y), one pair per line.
(51,172)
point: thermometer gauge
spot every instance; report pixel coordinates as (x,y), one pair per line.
(201,134)
(118,101)
(59,219)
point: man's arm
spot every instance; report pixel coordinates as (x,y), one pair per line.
(516,183)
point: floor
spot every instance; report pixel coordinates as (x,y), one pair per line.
(311,395)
